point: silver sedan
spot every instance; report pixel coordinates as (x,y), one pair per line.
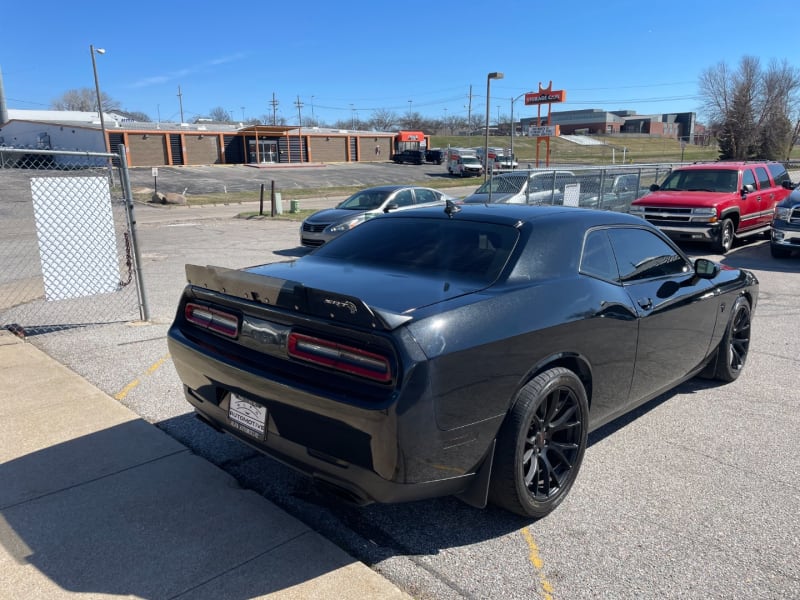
(327,224)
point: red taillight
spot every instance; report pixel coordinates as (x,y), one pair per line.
(340,357)
(211,318)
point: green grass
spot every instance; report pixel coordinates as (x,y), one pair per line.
(637,149)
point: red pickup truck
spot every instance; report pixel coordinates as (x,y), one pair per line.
(716,202)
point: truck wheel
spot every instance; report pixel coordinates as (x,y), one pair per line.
(725,241)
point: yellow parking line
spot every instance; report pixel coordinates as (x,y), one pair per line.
(126,390)
(120,395)
(538,564)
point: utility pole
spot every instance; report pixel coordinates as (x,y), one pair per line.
(469,110)
(180,102)
(299,105)
(274,104)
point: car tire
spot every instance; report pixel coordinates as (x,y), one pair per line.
(725,241)
(541,444)
(779,251)
(735,344)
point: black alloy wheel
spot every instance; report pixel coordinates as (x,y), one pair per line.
(541,444)
(735,344)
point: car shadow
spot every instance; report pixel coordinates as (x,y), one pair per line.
(378,531)
(751,254)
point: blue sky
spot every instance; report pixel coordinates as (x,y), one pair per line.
(352,57)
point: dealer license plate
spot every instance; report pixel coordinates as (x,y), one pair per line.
(248,417)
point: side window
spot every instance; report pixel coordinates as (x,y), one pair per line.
(598,257)
(641,254)
(424,195)
(748,178)
(763,178)
(404,198)
(779,174)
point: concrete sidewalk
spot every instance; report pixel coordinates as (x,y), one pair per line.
(95,501)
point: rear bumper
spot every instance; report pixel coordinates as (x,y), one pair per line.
(366,454)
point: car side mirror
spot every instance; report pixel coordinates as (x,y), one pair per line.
(747,188)
(391,206)
(654,187)
(705,269)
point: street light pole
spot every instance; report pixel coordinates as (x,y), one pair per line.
(97,90)
(489,78)
(513,128)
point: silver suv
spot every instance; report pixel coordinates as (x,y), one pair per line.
(524,187)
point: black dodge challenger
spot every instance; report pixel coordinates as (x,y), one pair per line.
(462,350)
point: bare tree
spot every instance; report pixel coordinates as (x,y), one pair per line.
(413,121)
(383,120)
(219,115)
(751,109)
(136,116)
(84,99)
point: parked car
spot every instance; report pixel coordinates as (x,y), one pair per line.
(716,202)
(324,225)
(609,190)
(416,157)
(523,187)
(435,155)
(785,226)
(463,350)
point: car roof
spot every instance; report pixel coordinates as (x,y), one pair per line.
(733,165)
(387,188)
(517,214)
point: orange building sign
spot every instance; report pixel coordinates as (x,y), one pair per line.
(545,96)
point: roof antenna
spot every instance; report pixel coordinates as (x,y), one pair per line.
(451,208)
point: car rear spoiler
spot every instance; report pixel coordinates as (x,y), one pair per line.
(292,295)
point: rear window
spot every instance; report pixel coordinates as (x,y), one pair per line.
(451,249)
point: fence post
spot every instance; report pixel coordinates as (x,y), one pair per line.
(144,310)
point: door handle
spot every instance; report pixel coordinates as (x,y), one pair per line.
(645,303)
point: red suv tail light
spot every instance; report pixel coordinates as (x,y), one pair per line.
(341,357)
(221,322)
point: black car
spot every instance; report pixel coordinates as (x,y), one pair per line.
(785,226)
(416,157)
(435,155)
(456,350)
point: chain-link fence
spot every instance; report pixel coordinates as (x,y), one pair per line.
(67,246)
(606,188)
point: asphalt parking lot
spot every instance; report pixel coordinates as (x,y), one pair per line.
(237,178)
(695,494)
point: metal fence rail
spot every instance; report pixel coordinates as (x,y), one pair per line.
(607,188)
(67,245)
